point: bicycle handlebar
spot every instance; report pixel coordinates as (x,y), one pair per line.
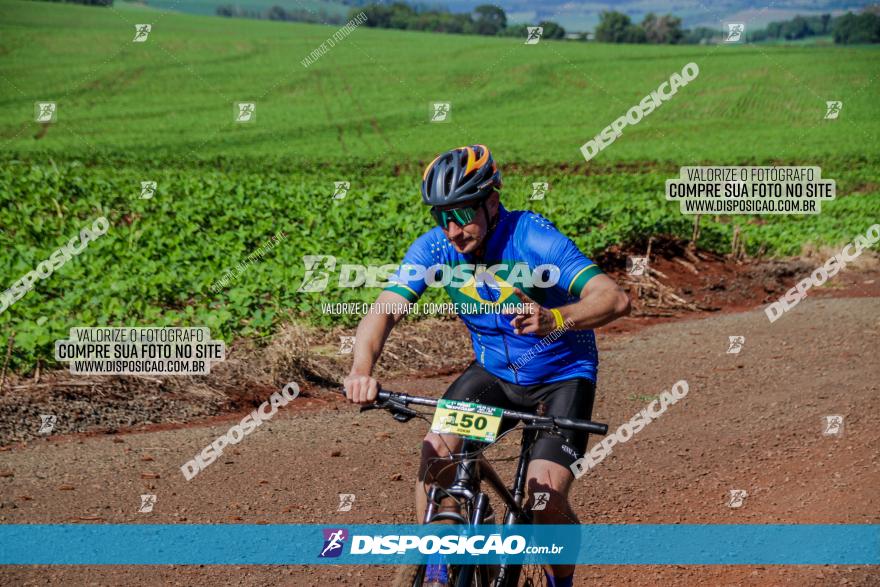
(567,423)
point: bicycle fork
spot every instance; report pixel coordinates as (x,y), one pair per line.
(463,490)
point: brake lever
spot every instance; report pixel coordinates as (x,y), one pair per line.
(400,412)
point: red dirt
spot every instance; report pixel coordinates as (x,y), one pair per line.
(751,421)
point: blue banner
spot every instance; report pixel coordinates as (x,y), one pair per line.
(593,544)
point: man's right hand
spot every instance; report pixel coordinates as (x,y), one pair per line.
(361,389)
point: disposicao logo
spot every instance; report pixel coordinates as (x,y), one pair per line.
(334,538)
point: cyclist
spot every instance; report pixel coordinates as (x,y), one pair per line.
(531,281)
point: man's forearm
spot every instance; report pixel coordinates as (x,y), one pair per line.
(595,310)
(369,340)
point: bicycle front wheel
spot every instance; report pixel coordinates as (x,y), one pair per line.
(532,576)
(458,576)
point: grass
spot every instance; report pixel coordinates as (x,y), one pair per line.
(367,99)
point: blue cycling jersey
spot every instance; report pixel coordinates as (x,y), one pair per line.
(526,251)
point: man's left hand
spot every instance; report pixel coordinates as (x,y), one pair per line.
(532,318)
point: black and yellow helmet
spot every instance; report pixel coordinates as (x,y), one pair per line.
(465,174)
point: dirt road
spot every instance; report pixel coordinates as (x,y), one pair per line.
(752,421)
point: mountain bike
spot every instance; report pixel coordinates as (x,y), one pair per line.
(473,422)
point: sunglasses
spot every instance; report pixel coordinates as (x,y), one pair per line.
(460,216)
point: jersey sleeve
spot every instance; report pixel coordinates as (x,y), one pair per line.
(409,279)
(551,247)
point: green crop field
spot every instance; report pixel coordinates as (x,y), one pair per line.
(162,111)
(368,97)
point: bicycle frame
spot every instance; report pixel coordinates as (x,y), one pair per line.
(469,473)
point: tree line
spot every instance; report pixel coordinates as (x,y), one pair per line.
(281,13)
(86,2)
(615,27)
(486,19)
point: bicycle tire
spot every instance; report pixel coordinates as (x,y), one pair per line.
(414,576)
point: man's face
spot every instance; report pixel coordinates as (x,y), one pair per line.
(466,239)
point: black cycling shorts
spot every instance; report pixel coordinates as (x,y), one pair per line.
(572,398)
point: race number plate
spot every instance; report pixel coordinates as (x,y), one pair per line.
(473,421)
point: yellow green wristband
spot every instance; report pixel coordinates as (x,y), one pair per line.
(557,316)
